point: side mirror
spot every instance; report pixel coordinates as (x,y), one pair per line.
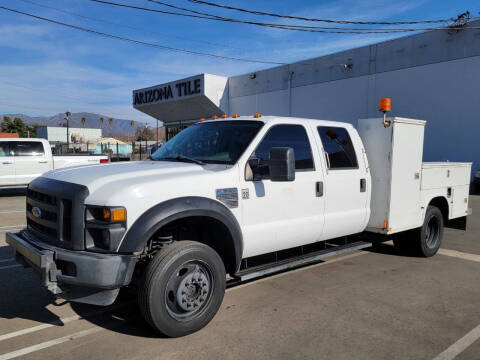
(282,164)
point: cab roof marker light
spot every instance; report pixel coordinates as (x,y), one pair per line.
(257,115)
(214,117)
(224,116)
(235,115)
(202,119)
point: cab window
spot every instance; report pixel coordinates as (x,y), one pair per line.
(28,148)
(293,136)
(5,149)
(339,150)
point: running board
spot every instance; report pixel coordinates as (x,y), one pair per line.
(267,269)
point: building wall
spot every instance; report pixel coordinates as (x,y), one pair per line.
(434,76)
(59,134)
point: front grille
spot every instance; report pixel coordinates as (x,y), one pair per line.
(49,217)
(56,212)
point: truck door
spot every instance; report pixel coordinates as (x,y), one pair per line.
(346,193)
(281,215)
(31,161)
(7,164)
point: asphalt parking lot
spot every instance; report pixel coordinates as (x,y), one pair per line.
(371,304)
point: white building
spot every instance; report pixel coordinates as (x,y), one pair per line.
(77,135)
(434,76)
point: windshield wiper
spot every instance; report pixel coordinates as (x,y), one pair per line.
(184,159)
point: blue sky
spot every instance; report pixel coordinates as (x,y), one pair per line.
(46,69)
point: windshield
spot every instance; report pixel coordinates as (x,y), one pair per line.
(218,142)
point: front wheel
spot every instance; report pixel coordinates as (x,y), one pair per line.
(182,288)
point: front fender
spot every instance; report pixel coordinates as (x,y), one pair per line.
(159,215)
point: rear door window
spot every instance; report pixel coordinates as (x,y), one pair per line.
(28,148)
(5,149)
(338,146)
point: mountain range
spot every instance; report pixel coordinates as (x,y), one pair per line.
(119,126)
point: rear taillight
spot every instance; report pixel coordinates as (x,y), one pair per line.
(103,161)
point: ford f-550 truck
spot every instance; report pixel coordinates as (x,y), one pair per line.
(244,196)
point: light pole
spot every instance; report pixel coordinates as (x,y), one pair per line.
(67,118)
(145,133)
(157,132)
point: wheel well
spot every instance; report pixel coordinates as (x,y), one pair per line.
(441,203)
(206,230)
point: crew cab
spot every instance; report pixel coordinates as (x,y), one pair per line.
(24,159)
(244,196)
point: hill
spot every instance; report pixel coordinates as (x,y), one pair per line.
(119,127)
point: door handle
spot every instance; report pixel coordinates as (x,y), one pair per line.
(319,189)
(7,162)
(43,161)
(363,185)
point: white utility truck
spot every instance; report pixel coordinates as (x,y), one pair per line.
(24,159)
(244,196)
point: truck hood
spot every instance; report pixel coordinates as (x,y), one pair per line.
(97,176)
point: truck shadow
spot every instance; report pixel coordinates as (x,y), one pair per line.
(22,295)
(122,317)
(388,249)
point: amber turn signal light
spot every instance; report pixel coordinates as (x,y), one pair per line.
(114,214)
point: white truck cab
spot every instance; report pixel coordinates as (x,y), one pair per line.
(24,159)
(244,196)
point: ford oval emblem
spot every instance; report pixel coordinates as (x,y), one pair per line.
(36,211)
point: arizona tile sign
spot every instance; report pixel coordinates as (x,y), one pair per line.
(176,90)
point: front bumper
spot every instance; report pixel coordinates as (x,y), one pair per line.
(79,276)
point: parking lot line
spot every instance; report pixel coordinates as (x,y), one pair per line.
(50,343)
(460,345)
(63,321)
(11,211)
(459,254)
(12,226)
(60,340)
(10,266)
(7,260)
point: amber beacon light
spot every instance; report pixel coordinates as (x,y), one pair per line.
(385,105)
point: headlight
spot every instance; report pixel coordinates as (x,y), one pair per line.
(477,174)
(104,227)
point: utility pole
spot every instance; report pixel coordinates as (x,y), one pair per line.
(67,118)
(157,132)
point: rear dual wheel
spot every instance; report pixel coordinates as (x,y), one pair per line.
(426,240)
(182,288)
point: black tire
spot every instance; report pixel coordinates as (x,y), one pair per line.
(424,241)
(431,232)
(182,288)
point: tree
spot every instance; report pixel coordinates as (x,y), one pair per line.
(19,127)
(142,134)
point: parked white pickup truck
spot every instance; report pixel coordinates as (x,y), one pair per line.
(24,159)
(243,196)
